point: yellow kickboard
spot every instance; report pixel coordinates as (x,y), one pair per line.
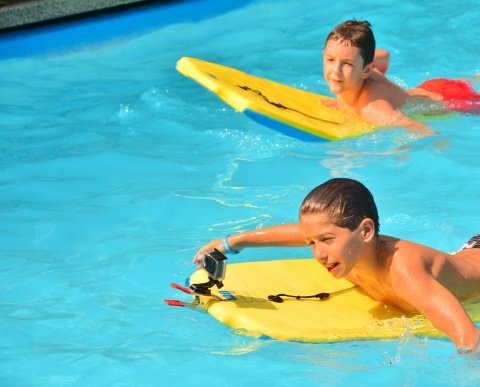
(294,112)
(347,315)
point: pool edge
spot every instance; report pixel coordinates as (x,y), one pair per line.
(22,14)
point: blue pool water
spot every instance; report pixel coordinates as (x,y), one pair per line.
(114,169)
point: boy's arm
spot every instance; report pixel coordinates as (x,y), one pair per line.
(418,91)
(419,288)
(280,235)
(381,60)
(380,112)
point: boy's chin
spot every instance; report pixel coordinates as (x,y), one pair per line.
(335,89)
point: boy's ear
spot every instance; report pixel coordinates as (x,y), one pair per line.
(367,70)
(368,229)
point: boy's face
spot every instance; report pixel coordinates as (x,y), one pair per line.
(343,67)
(334,247)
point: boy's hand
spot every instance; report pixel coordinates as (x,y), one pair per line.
(330,103)
(199,258)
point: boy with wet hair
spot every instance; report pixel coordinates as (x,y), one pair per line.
(339,221)
(354,71)
(358,34)
(346,202)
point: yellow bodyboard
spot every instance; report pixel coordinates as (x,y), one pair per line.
(347,315)
(295,112)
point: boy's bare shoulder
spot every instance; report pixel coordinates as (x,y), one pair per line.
(380,99)
(408,255)
(380,87)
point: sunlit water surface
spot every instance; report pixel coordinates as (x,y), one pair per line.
(115,169)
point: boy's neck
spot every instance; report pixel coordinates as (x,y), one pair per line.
(372,265)
(350,98)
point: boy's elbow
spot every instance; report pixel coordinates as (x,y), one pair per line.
(468,343)
(406,122)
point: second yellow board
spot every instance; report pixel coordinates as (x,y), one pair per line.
(292,111)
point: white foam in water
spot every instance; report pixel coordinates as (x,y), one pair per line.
(115,169)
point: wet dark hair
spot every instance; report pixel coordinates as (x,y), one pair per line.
(358,34)
(346,202)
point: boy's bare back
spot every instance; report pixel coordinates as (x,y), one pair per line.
(459,272)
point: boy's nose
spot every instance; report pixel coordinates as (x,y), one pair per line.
(336,68)
(320,255)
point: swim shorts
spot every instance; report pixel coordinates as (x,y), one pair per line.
(458,95)
(473,243)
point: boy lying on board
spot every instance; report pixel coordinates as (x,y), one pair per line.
(339,221)
(354,71)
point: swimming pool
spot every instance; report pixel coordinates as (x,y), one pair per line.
(115,169)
